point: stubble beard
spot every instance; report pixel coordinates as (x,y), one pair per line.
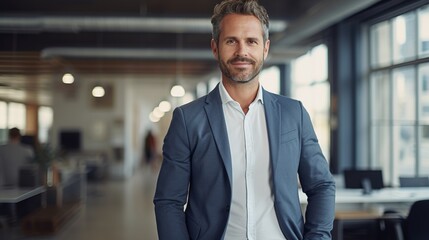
(241,77)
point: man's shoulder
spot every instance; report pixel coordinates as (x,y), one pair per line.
(4,146)
(17,147)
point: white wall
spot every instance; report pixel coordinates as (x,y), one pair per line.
(124,124)
(148,94)
(102,128)
(73,109)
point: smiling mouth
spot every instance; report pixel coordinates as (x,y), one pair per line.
(241,61)
(241,64)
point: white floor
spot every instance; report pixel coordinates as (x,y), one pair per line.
(113,210)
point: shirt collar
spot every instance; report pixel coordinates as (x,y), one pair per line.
(225,97)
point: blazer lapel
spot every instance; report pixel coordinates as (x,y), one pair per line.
(216,119)
(273,119)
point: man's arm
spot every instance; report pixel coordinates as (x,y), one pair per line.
(172,187)
(318,183)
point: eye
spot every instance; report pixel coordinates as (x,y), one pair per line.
(253,42)
(230,41)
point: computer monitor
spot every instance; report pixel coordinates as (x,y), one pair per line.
(359,178)
(70,140)
(28,140)
(414,181)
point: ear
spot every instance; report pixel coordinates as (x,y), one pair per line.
(266,49)
(213,46)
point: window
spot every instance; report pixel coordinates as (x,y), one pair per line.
(423,32)
(423,128)
(404,37)
(16,116)
(313,89)
(13,115)
(3,122)
(380,42)
(380,119)
(399,94)
(404,121)
(45,120)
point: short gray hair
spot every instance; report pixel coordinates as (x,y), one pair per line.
(244,7)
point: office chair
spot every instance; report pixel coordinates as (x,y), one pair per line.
(413,227)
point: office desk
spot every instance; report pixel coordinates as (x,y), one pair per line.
(353,206)
(12,196)
(385,195)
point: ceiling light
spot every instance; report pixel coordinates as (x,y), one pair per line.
(98,91)
(68,78)
(164,106)
(153,118)
(158,113)
(177,91)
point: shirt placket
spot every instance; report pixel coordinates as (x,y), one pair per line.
(249,175)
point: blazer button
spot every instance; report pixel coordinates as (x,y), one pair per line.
(227,208)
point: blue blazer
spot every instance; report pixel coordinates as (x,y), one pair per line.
(196,172)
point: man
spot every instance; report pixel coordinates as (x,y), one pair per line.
(13,155)
(231,158)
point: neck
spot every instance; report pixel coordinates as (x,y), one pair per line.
(244,94)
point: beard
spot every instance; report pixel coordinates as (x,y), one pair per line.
(240,75)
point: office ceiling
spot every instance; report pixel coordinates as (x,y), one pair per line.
(39,39)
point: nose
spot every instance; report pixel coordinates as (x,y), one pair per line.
(241,50)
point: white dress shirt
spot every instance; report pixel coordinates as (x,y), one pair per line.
(12,157)
(252,215)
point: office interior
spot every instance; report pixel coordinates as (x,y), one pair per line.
(88,81)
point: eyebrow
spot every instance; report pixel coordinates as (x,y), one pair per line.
(248,38)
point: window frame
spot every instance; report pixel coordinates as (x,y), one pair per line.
(414,63)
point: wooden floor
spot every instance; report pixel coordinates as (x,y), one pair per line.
(114,210)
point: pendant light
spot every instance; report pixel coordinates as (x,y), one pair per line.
(177,90)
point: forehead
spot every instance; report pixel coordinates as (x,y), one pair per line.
(235,25)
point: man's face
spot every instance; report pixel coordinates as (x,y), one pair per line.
(241,50)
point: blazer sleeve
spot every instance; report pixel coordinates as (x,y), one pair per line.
(317,183)
(173,180)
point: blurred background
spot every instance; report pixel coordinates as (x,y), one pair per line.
(92,79)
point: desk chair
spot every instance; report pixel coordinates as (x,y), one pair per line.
(4,227)
(3,222)
(414,181)
(414,227)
